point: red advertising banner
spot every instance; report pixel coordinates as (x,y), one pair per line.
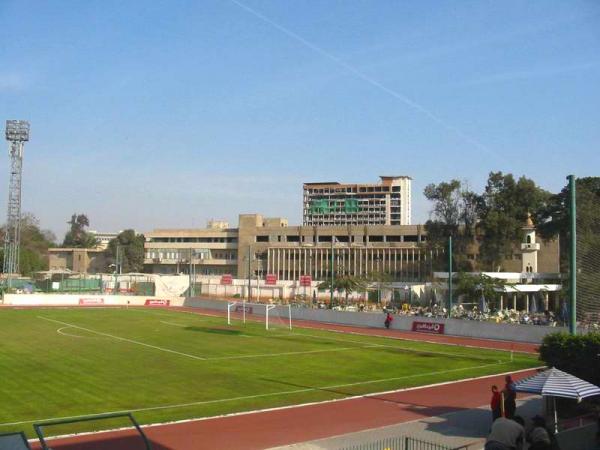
(271,279)
(91,301)
(226,279)
(157,302)
(428,327)
(305,280)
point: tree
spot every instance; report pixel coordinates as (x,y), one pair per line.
(502,210)
(454,213)
(131,251)
(552,218)
(347,284)
(33,253)
(473,287)
(77,236)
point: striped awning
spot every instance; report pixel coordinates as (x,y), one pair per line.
(556,383)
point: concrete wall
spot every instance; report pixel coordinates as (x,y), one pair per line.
(455,327)
(83,300)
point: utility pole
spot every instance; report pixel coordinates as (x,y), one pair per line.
(573,256)
(449,276)
(332,275)
(117,268)
(249,274)
(192,276)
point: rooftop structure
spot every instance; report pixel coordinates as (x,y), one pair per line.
(331,203)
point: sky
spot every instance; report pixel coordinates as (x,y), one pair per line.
(164,114)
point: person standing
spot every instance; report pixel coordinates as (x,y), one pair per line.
(388,320)
(509,397)
(495,403)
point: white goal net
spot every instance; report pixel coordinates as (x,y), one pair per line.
(273,316)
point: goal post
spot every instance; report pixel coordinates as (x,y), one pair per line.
(273,307)
(273,315)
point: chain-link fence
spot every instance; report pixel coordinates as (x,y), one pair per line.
(588,252)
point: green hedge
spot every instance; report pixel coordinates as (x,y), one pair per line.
(577,355)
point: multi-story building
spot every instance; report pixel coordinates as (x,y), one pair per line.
(82,260)
(333,203)
(212,250)
(103,238)
(269,246)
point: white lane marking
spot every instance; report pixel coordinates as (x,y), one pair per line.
(295,391)
(124,339)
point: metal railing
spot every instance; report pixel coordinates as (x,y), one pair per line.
(405,443)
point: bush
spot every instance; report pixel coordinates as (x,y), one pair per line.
(577,355)
(237,296)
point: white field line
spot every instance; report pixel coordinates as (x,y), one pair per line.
(290,392)
(305,352)
(306,325)
(216,358)
(60,331)
(278,408)
(174,324)
(124,339)
(346,341)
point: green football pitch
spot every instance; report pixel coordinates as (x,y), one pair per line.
(166,365)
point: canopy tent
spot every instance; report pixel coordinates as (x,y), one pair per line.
(556,383)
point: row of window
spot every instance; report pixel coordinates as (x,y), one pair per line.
(353,189)
(341,238)
(195,239)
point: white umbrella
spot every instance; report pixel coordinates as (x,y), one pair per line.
(556,383)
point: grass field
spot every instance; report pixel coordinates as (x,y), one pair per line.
(169,365)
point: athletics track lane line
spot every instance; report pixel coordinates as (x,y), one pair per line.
(289,392)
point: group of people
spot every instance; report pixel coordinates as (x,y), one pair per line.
(508,429)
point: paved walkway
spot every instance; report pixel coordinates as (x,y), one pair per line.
(462,428)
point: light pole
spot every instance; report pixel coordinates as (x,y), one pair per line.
(332,275)
(17,133)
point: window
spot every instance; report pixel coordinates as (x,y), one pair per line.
(293,238)
(262,238)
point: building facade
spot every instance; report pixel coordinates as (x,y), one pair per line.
(335,204)
(262,246)
(81,260)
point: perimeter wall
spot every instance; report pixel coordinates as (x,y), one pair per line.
(453,327)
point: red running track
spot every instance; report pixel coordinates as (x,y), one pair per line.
(260,430)
(265,429)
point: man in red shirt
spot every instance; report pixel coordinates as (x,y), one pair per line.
(495,403)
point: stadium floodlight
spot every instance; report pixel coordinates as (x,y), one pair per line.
(17,130)
(17,133)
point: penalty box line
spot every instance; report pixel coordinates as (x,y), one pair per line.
(288,392)
(131,341)
(200,358)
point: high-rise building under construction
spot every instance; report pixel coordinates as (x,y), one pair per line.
(333,203)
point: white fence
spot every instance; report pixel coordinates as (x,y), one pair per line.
(88,300)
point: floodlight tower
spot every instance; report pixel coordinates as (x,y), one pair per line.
(17,133)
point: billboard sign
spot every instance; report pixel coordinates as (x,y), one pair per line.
(271,279)
(428,327)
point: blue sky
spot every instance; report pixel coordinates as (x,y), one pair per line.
(167,113)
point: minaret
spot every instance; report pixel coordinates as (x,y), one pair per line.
(529,248)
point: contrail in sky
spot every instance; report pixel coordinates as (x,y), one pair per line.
(403,98)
